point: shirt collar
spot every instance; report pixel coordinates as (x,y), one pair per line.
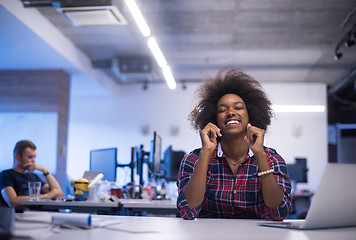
(221,153)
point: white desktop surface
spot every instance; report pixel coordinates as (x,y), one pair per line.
(130,227)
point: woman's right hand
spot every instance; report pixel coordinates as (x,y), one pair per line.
(208,136)
(195,189)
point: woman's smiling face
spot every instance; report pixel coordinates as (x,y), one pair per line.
(232,115)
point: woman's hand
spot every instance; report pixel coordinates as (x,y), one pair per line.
(194,191)
(208,136)
(255,137)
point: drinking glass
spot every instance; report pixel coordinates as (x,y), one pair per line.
(34,190)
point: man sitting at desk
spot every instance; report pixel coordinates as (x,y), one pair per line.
(15,180)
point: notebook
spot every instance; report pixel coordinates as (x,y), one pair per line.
(333,205)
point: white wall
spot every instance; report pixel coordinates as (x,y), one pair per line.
(300,134)
(39,127)
(118,122)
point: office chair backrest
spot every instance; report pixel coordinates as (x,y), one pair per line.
(2,201)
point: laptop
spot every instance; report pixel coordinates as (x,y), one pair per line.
(91,174)
(333,205)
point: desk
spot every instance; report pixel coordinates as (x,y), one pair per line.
(151,207)
(76,206)
(131,227)
(133,206)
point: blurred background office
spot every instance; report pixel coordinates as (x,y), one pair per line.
(73,86)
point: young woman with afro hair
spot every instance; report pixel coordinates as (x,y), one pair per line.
(233,175)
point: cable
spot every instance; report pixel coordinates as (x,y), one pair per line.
(347,18)
(343,101)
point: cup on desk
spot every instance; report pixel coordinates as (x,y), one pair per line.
(117,192)
(93,193)
(34,190)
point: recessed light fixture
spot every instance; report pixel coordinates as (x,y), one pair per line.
(90,16)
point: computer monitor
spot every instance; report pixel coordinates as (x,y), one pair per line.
(171,162)
(298,171)
(155,154)
(104,160)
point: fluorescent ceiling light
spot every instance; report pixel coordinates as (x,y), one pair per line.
(156,51)
(152,43)
(298,108)
(167,73)
(137,15)
(106,15)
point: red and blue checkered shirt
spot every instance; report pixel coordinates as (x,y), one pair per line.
(227,196)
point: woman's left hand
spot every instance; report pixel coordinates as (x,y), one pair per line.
(255,137)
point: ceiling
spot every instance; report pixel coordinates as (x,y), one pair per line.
(272,40)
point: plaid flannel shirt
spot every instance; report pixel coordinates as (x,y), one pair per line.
(227,196)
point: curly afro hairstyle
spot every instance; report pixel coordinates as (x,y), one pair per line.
(234,81)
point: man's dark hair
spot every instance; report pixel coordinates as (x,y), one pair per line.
(22,145)
(231,81)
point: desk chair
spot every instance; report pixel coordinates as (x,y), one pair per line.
(3,203)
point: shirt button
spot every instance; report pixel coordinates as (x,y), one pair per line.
(234,191)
